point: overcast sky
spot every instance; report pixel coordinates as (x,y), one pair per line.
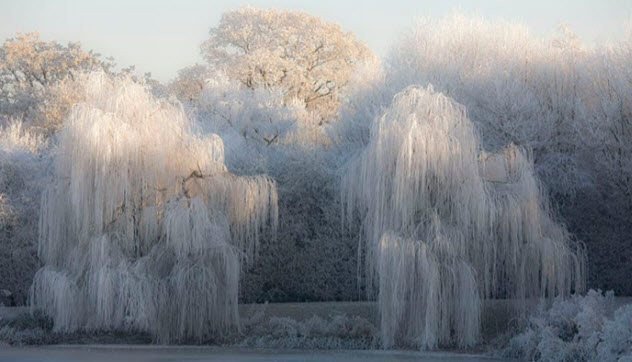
(162,36)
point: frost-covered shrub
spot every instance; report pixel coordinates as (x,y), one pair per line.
(26,328)
(337,332)
(582,328)
(36,328)
(616,338)
(446,224)
(143,227)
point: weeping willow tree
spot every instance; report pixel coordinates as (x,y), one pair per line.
(447,225)
(143,228)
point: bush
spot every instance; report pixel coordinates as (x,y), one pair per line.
(338,332)
(578,329)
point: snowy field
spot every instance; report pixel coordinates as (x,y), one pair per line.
(163,354)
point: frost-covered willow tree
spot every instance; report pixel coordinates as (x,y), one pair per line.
(143,228)
(447,225)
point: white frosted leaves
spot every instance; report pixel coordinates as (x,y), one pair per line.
(446,225)
(140,228)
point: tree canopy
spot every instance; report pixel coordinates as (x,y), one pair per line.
(31,67)
(309,58)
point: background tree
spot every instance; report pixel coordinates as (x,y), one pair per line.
(189,83)
(30,70)
(309,58)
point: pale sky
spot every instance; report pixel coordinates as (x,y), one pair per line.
(162,36)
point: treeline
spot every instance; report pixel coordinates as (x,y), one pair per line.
(294,97)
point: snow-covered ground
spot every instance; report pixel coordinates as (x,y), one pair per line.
(98,353)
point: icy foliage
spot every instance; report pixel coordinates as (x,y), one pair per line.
(261,115)
(189,83)
(446,224)
(582,328)
(257,114)
(23,170)
(518,87)
(308,58)
(368,93)
(143,228)
(337,332)
(425,301)
(616,338)
(31,70)
(25,328)
(565,101)
(14,138)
